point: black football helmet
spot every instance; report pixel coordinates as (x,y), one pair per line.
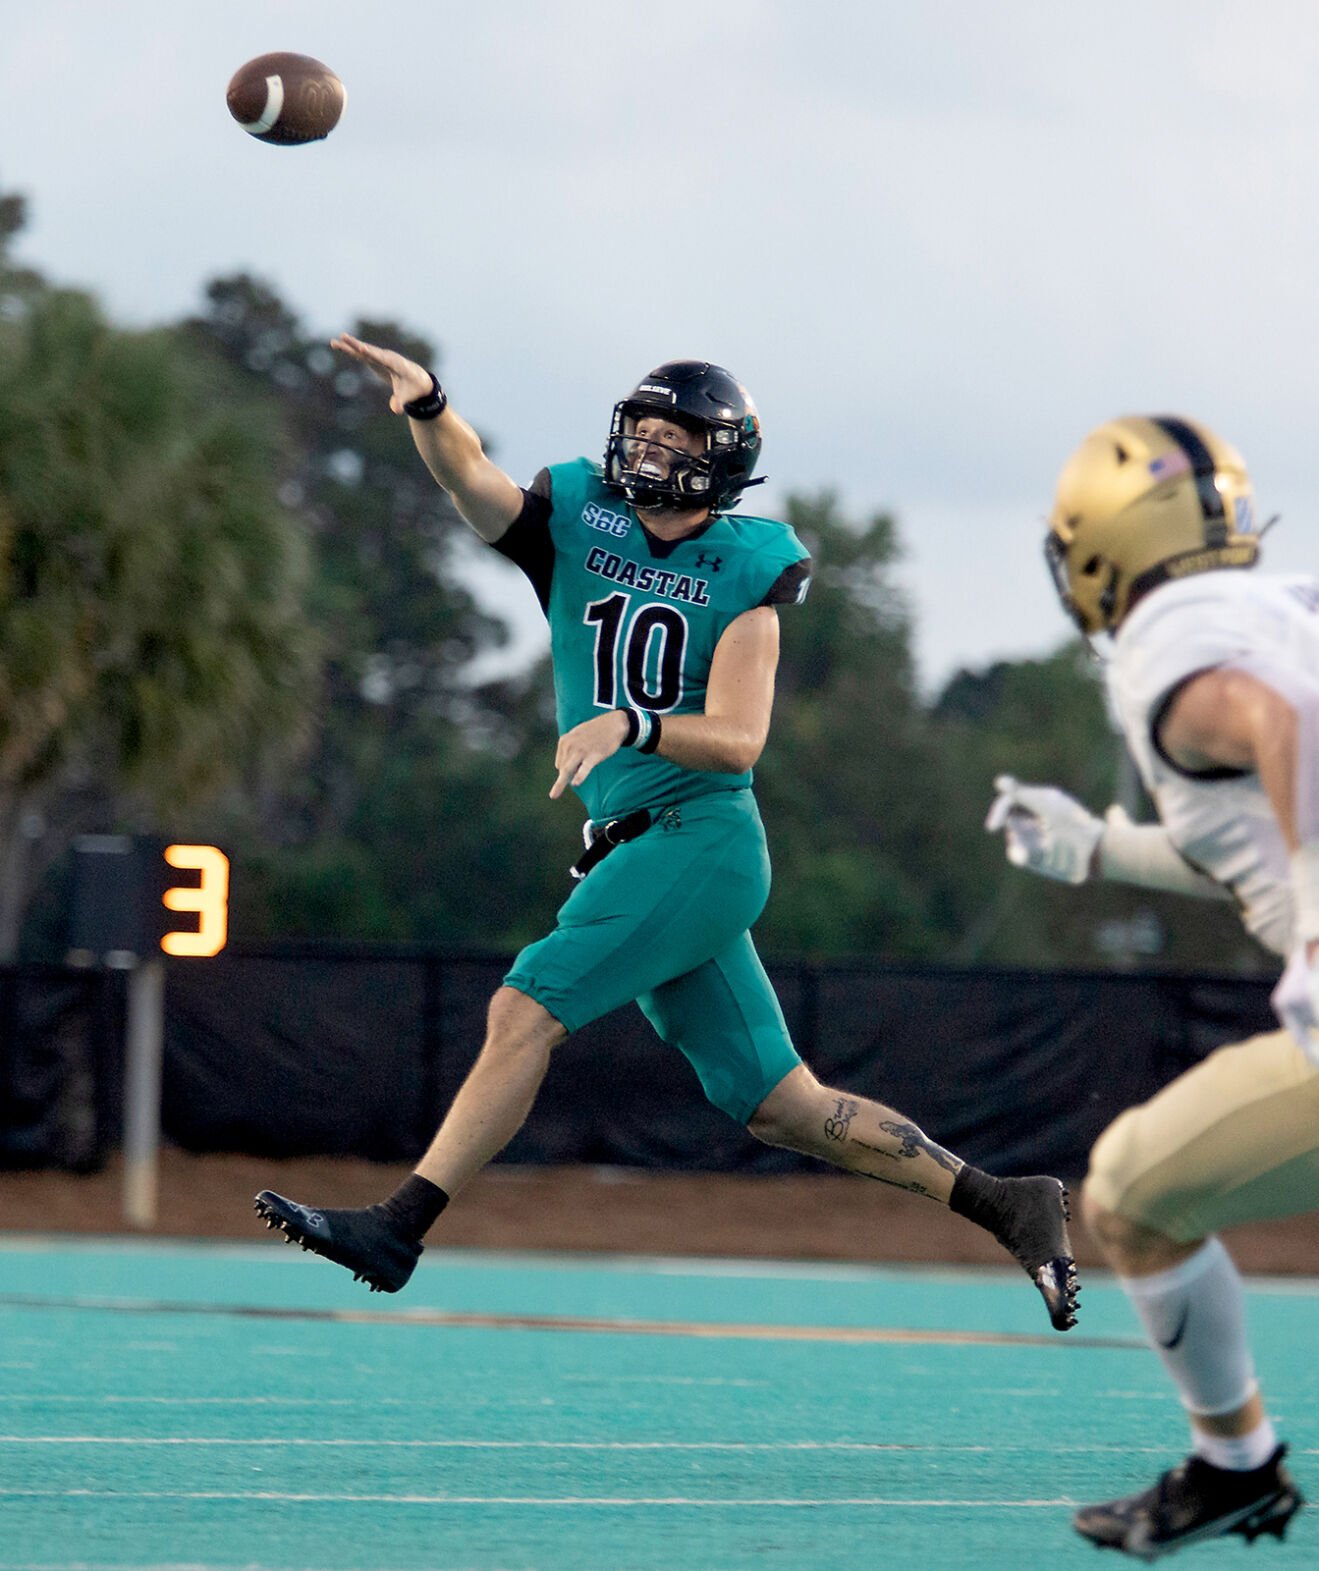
(705,399)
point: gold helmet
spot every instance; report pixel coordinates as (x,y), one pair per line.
(1144,499)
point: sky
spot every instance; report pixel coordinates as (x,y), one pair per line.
(938,242)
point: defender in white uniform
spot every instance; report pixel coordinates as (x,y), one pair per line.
(1215,678)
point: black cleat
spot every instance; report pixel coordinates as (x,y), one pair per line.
(366,1242)
(1193,1502)
(1030,1221)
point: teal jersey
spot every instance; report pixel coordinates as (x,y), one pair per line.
(634,620)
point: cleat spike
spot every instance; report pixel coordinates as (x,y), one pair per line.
(368,1242)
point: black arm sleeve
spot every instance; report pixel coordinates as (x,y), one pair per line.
(790,587)
(527,540)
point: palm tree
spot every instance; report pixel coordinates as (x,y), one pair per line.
(153,639)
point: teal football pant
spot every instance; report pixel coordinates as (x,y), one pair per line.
(664,920)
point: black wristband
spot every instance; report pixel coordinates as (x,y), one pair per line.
(652,741)
(633,727)
(430,406)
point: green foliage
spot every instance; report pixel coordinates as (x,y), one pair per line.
(149,584)
(1036,719)
(1040,720)
(418,814)
(848,784)
(153,640)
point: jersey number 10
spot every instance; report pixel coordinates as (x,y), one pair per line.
(651,642)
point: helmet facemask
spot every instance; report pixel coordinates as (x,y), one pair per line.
(655,476)
(1105,600)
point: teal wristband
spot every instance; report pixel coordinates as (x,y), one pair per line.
(643,729)
(651,740)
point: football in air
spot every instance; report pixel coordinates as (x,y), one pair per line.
(286,99)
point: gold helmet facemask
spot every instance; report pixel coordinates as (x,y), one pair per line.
(1145,499)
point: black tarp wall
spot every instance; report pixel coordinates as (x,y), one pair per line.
(335,1050)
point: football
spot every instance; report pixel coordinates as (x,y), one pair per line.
(286,99)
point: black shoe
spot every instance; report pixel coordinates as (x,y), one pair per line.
(1030,1221)
(367,1242)
(1191,1503)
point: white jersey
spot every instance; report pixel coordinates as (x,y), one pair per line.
(1220,820)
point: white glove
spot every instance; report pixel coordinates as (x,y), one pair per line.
(1045,829)
(1295,1001)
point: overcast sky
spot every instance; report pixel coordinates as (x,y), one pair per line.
(939,240)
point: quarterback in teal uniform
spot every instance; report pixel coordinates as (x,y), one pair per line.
(663,614)
(635,620)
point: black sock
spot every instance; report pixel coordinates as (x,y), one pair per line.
(415,1205)
(975,1196)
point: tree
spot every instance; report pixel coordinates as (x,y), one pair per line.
(16,283)
(153,636)
(1040,720)
(419,814)
(849,785)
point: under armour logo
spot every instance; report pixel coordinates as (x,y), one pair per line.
(714,563)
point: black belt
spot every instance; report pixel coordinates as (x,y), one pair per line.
(603,838)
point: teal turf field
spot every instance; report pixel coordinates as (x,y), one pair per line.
(197,1407)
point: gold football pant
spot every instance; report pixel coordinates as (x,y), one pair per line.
(1236,1139)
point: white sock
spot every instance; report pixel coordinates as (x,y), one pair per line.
(1237,1453)
(1194,1316)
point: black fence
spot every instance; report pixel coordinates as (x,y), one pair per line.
(339,1050)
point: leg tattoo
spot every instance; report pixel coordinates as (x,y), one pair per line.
(908,1159)
(836,1128)
(915,1140)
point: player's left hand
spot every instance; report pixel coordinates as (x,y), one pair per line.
(585,746)
(1295,999)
